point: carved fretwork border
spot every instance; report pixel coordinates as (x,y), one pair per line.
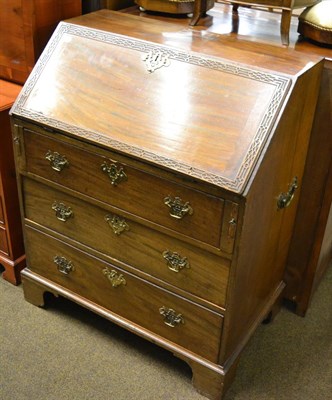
(281,84)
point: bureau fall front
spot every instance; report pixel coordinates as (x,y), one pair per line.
(158,184)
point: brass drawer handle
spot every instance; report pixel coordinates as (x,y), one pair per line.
(175,262)
(284,199)
(178,209)
(114,277)
(116,174)
(62,212)
(57,161)
(64,266)
(171,318)
(117,223)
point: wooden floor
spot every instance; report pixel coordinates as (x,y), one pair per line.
(249,25)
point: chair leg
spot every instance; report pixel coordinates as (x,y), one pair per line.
(199,11)
(285,26)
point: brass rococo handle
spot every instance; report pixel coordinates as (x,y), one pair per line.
(115,173)
(57,161)
(64,266)
(284,199)
(175,262)
(62,212)
(117,223)
(178,209)
(171,318)
(114,277)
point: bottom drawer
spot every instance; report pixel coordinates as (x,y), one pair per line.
(172,317)
(3,241)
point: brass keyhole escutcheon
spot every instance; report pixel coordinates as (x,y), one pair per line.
(171,317)
(17,143)
(64,266)
(62,212)
(57,161)
(178,208)
(155,59)
(116,174)
(232,228)
(175,262)
(114,277)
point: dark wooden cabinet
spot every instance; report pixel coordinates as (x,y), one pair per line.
(159,183)
(94,5)
(25,27)
(12,256)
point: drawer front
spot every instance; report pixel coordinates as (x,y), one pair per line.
(195,328)
(178,263)
(187,211)
(3,241)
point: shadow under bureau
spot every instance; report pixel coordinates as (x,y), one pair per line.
(158,185)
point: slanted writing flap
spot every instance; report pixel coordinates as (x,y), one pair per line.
(185,111)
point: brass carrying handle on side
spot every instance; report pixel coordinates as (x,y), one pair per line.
(284,199)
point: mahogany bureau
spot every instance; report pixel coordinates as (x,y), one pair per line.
(158,183)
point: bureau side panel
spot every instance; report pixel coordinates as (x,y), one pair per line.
(312,226)
(257,273)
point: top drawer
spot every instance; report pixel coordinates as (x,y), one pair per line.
(184,210)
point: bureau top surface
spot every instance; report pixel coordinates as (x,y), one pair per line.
(195,113)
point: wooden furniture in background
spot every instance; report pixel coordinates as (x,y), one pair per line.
(25,27)
(95,5)
(285,6)
(165,199)
(201,7)
(315,23)
(12,257)
(167,6)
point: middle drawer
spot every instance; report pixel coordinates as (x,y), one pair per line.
(191,269)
